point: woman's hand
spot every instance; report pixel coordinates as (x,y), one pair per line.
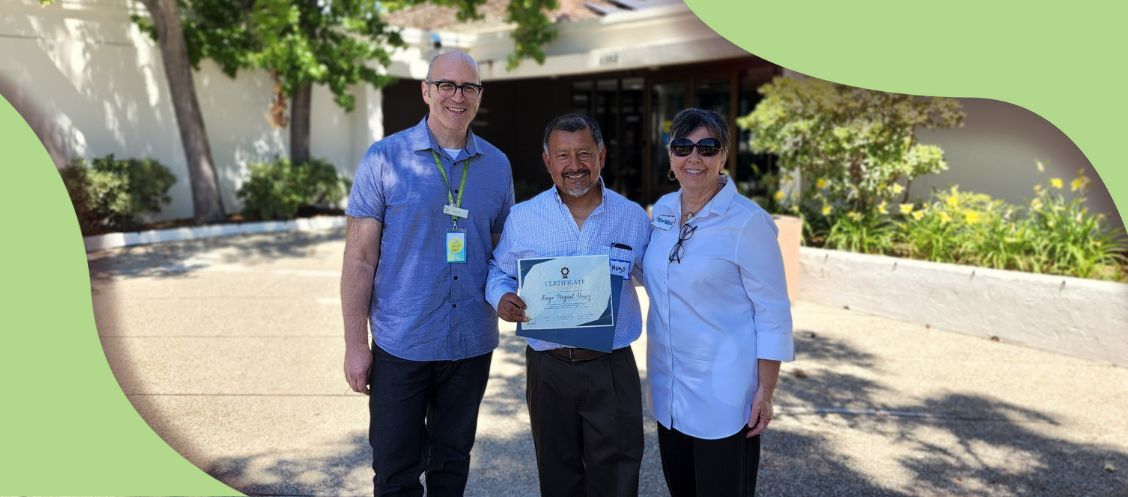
(762,412)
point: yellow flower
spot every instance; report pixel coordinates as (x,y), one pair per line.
(1056,183)
(826,210)
(778,195)
(1041,167)
(971,217)
(883,207)
(1078,183)
(897,188)
(820,183)
(918,215)
(953,201)
(1036,204)
(906,208)
(856,216)
(944,218)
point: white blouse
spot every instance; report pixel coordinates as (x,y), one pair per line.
(713,314)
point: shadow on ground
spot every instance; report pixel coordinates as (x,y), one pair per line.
(175,259)
(955,444)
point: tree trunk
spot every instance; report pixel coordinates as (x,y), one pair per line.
(300,108)
(206,203)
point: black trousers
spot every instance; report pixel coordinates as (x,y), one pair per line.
(423,419)
(696,467)
(587,424)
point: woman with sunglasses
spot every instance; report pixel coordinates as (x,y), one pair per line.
(719,322)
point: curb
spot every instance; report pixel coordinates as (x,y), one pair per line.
(118,240)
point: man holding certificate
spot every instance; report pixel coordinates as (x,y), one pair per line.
(572,246)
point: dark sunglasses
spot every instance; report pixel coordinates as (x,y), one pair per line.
(707,147)
(679,249)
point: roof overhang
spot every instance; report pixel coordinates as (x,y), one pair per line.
(649,38)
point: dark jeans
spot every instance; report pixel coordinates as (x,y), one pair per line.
(586,419)
(706,468)
(423,419)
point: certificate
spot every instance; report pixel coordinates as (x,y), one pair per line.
(572,292)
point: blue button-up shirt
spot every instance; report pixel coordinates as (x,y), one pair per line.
(424,308)
(543,227)
(714,314)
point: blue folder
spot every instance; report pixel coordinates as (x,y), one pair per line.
(601,338)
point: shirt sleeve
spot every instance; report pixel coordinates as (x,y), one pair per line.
(507,203)
(642,229)
(761,272)
(367,196)
(502,277)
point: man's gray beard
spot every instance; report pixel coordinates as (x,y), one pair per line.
(579,191)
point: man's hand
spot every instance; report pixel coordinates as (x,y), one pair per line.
(762,412)
(358,362)
(511,308)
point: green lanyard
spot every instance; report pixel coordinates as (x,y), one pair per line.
(461,184)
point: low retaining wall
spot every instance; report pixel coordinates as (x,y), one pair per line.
(115,240)
(1073,316)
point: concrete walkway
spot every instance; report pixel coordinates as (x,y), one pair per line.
(231,349)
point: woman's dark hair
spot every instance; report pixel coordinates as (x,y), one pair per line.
(690,119)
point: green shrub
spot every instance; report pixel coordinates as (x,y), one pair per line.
(1053,235)
(870,233)
(277,190)
(1065,238)
(111,194)
(956,227)
(854,148)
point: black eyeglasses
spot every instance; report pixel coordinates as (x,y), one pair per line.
(679,249)
(707,147)
(447,88)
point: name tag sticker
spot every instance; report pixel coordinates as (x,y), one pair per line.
(451,210)
(664,222)
(621,268)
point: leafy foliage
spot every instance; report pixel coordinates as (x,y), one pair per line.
(277,190)
(866,233)
(853,147)
(336,43)
(299,42)
(111,194)
(1052,235)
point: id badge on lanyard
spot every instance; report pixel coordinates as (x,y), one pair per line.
(455,236)
(456,245)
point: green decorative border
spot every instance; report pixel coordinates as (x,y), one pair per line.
(68,428)
(1061,61)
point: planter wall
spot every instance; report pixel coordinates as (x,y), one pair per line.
(1073,316)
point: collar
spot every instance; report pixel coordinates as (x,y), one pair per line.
(602,190)
(421,139)
(718,204)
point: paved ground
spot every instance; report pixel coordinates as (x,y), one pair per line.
(231,349)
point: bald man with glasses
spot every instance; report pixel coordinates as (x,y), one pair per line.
(427,207)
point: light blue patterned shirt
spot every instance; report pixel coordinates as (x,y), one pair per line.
(543,227)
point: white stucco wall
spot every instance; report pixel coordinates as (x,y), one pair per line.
(1072,316)
(96,86)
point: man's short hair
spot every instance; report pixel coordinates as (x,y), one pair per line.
(688,120)
(572,123)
